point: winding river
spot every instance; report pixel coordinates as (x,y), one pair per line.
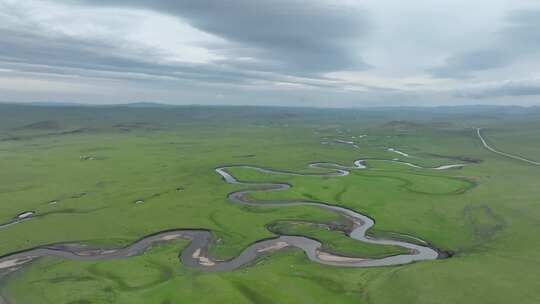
(196,254)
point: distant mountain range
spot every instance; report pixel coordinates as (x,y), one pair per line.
(149,104)
(75,104)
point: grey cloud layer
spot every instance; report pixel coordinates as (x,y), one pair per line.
(505,89)
(297,36)
(283,49)
(285,41)
(519,38)
(26,51)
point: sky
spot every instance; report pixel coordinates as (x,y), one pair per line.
(322,53)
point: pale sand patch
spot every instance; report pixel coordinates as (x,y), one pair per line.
(202,260)
(170,237)
(276,246)
(327,257)
(357,223)
(96,252)
(449,167)
(206,261)
(25,215)
(12,263)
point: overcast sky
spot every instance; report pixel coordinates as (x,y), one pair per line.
(337,53)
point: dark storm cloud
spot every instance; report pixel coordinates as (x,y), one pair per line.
(296,36)
(519,38)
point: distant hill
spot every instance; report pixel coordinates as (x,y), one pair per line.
(146,105)
(401,124)
(41,125)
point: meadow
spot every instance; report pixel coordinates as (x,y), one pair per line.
(108,176)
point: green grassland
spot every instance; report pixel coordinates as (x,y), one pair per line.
(96,163)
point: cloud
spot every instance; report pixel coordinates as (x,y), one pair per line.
(514,88)
(286,52)
(54,53)
(462,65)
(518,39)
(290,36)
(274,43)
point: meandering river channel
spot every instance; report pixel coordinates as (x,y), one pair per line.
(196,254)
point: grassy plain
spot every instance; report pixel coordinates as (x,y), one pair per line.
(486,213)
